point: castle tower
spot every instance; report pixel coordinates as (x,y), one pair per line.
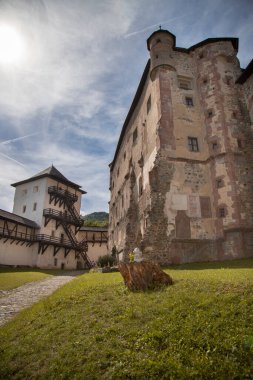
(53,202)
(178,178)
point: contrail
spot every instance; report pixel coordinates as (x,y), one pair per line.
(12,159)
(155,25)
(17,139)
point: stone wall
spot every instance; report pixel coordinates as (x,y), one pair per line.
(183,204)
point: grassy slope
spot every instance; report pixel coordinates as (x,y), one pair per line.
(93,328)
(11,278)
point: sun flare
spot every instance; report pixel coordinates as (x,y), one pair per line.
(11,45)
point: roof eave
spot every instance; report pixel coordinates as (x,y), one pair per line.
(69,183)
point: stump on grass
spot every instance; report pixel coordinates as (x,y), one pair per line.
(144,275)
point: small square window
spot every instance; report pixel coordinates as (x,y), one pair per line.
(24,208)
(185,83)
(219,183)
(222,212)
(215,146)
(209,114)
(35,189)
(24,192)
(193,144)
(149,104)
(189,101)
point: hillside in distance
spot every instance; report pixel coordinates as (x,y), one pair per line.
(96,219)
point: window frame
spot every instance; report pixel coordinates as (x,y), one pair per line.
(189,101)
(193,144)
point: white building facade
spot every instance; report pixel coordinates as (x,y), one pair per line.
(44,229)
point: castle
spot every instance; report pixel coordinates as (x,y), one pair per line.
(45,229)
(181,179)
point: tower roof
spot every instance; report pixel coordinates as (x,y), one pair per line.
(161,31)
(51,172)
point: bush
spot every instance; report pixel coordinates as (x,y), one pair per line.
(106,260)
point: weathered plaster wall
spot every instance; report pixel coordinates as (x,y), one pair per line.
(193,205)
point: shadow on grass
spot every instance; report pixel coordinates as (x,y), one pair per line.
(232,264)
(52,272)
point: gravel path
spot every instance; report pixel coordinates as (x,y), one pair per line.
(15,300)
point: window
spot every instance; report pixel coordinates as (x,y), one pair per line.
(209,114)
(189,101)
(24,192)
(185,83)
(135,135)
(222,212)
(34,206)
(193,144)
(149,104)
(24,208)
(219,183)
(215,146)
(52,233)
(201,55)
(55,262)
(35,189)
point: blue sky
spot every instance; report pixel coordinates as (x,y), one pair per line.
(65,101)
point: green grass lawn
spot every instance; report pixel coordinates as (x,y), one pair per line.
(94,328)
(11,278)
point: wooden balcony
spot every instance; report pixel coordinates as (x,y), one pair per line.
(62,216)
(17,236)
(54,190)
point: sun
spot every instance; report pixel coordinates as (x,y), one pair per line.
(11,45)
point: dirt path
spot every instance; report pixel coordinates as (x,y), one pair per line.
(15,300)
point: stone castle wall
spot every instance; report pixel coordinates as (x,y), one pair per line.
(182,205)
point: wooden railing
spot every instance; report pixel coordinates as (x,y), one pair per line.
(60,241)
(63,193)
(60,215)
(4,232)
